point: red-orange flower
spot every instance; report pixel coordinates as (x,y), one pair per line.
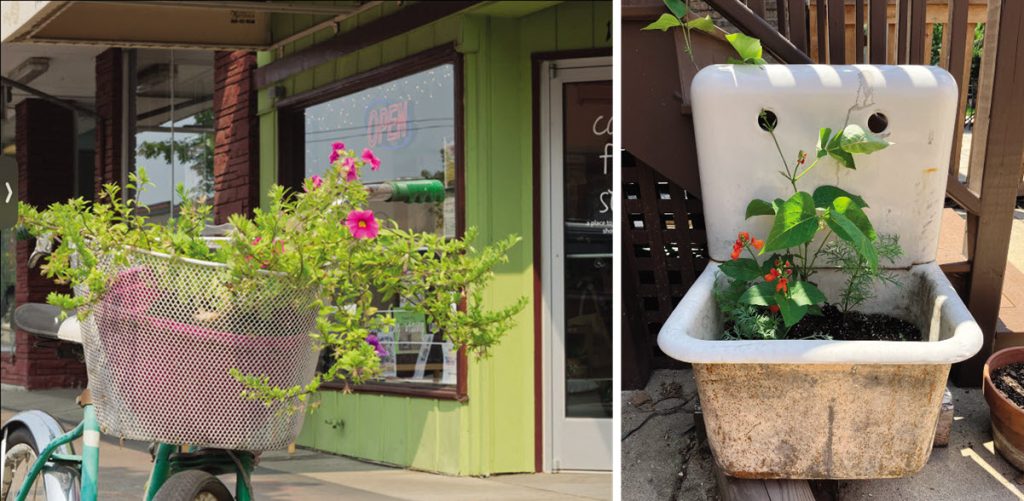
(758,244)
(782,286)
(744,237)
(736,252)
(772,275)
(774,308)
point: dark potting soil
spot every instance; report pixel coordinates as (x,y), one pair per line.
(854,326)
(1009,380)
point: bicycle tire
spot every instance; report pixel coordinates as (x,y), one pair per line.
(19,436)
(190,484)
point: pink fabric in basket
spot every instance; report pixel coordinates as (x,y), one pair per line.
(173,376)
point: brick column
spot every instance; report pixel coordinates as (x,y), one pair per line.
(45,151)
(235,156)
(109,116)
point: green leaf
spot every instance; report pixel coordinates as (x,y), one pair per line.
(805,294)
(791,311)
(777,205)
(837,220)
(832,146)
(733,60)
(856,140)
(823,136)
(825,194)
(758,207)
(663,23)
(741,269)
(747,47)
(795,224)
(853,211)
(676,6)
(704,24)
(760,294)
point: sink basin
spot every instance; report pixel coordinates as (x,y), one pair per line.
(821,409)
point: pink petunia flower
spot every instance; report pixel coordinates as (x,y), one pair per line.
(361,224)
(371,159)
(316,180)
(336,148)
(348,169)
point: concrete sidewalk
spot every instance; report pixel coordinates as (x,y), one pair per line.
(124,468)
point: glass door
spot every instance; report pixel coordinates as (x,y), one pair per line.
(576,111)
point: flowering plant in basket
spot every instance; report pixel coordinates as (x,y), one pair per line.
(322,237)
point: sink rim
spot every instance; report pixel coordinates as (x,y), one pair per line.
(676,340)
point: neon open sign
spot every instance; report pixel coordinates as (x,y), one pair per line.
(387,124)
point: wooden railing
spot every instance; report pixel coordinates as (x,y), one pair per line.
(901,32)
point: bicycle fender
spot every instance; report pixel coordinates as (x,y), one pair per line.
(61,481)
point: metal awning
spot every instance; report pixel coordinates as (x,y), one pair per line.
(222,25)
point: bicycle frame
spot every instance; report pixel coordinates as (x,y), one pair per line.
(164,465)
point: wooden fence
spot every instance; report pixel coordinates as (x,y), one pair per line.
(875,32)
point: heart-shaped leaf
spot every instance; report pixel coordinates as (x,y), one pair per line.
(762,294)
(805,294)
(831,145)
(676,6)
(825,194)
(852,210)
(824,135)
(845,228)
(663,23)
(758,207)
(791,311)
(744,269)
(749,48)
(795,223)
(857,140)
(704,24)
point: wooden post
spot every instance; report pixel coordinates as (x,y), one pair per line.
(1002,160)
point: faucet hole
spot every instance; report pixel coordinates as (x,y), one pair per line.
(767,120)
(878,122)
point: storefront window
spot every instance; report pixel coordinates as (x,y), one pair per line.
(409,121)
(173,126)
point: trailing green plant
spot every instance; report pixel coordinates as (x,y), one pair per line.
(320,236)
(777,275)
(860,276)
(747,48)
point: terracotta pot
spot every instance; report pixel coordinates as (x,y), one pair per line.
(1007,418)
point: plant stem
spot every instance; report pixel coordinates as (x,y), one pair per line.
(822,244)
(808,169)
(782,156)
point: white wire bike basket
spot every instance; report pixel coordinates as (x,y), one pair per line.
(161,340)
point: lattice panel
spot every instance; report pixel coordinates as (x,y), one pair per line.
(664,249)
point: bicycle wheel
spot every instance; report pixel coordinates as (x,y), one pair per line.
(193,485)
(20,454)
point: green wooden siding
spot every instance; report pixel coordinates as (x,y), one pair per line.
(494,431)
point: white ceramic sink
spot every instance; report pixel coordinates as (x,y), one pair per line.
(824,408)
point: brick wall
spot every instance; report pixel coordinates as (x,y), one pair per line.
(45,153)
(109,114)
(235,157)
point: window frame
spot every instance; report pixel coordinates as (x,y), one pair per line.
(291,172)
